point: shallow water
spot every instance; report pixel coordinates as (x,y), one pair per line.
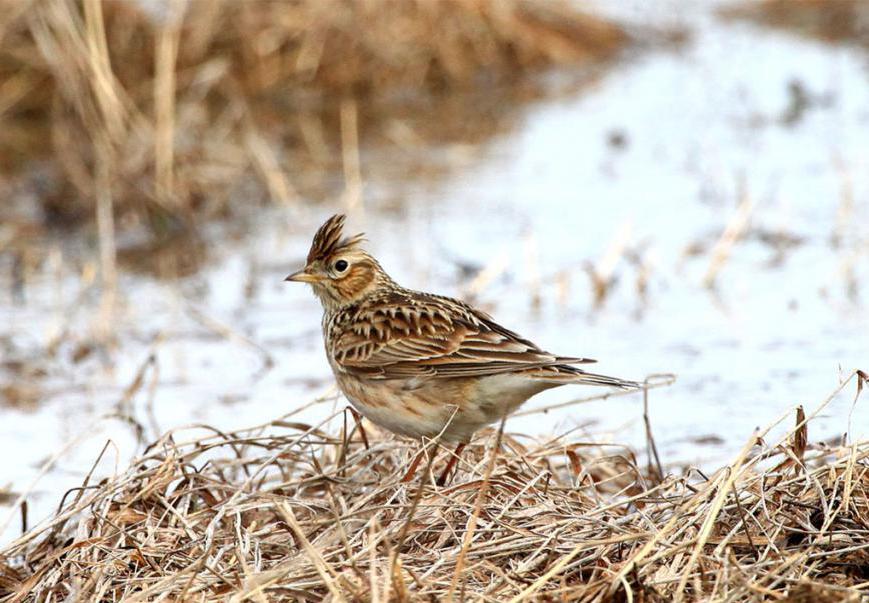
(659,153)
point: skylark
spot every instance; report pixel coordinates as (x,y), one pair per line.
(421,364)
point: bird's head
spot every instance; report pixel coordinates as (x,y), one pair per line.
(338,270)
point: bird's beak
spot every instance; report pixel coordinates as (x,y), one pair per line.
(303,276)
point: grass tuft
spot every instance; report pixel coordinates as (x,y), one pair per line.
(285,511)
(175,110)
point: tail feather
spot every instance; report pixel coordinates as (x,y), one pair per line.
(595,379)
(564,373)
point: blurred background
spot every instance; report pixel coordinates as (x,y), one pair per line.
(668,187)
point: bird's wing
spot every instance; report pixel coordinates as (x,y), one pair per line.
(420,335)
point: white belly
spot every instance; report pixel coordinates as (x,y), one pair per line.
(406,412)
(455,408)
(498,395)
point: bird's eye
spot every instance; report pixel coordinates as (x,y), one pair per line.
(341,265)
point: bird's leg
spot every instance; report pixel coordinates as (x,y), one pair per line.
(411,471)
(358,418)
(453,459)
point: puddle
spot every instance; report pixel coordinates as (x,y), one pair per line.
(629,185)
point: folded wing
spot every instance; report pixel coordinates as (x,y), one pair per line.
(405,336)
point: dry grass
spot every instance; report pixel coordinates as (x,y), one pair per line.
(183,112)
(829,20)
(287,512)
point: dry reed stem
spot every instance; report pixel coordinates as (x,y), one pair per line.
(839,21)
(478,507)
(352,198)
(486,276)
(285,511)
(165,82)
(197,99)
(532,270)
(602,273)
(326,573)
(731,235)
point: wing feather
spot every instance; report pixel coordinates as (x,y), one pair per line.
(418,335)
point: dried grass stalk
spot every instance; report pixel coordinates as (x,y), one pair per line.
(189,99)
(837,21)
(287,512)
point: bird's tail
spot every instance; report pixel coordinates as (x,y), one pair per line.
(595,379)
(564,373)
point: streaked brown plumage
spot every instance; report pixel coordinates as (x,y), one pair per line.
(420,364)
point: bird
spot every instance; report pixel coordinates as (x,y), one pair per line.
(418,364)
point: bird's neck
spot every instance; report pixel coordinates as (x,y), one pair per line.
(334,300)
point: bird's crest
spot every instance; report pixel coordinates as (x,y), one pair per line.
(329,241)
